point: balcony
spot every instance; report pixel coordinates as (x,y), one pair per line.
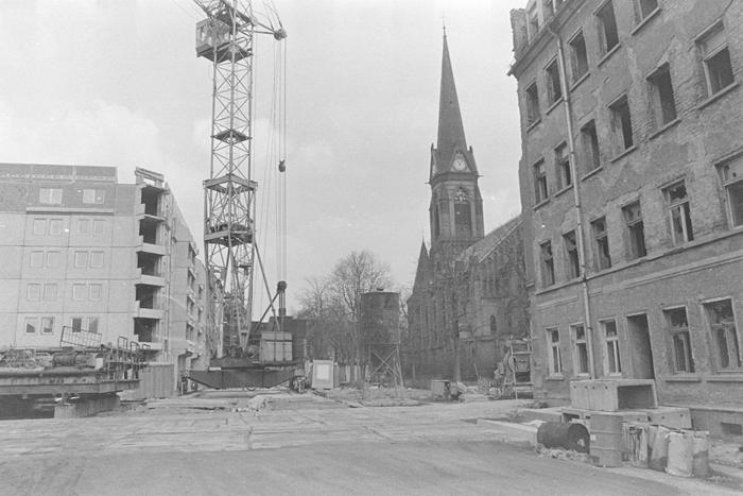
(151,248)
(147,313)
(149,279)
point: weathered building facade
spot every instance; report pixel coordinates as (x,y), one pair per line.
(455,311)
(632,195)
(86,253)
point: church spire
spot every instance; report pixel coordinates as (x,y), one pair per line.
(451,130)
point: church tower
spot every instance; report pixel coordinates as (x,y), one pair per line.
(456,204)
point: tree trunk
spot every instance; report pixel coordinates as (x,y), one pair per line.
(457,360)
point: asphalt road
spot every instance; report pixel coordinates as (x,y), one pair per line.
(203,446)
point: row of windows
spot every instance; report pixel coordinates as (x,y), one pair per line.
(52,259)
(678,211)
(45,324)
(43,226)
(723,339)
(50,291)
(54,196)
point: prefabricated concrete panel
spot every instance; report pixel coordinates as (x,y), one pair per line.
(322,374)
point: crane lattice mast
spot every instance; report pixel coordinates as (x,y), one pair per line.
(225,38)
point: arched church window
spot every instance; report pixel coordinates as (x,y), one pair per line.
(462,214)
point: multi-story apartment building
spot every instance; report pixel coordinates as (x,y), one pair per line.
(632,194)
(83,252)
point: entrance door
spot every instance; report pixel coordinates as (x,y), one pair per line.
(640,347)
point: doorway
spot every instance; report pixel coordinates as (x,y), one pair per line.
(640,347)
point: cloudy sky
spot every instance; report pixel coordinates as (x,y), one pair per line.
(117,83)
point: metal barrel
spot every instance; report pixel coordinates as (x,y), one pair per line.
(571,436)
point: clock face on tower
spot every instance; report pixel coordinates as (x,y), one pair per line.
(459,164)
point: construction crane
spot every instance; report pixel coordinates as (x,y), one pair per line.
(226,38)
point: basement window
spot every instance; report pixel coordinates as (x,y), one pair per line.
(718,69)
(608,33)
(664,103)
(679,213)
(677,326)
(724,335)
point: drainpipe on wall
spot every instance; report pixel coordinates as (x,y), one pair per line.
(576,200)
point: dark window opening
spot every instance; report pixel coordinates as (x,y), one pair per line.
(664,101)
(548,264)
(622,123)
(571,252)
(554,89)
(635,231)
(533,113)
(608,27)
(562,166)
(601,244)
(541,191)
(578,57)
(591,146)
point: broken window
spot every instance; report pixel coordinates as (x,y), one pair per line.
(590,146)
(621,124)
(31,324)
(571,253)
(608,34)
(578,56)
(678,328)
(644,8)
(601,244)
(664,102)
(533,114)
(580,346)
(562,166)
(716,59)
(724,334)
(679,214)
(540,182)
(548,264)
(50,196)
(555,360)
(613,363)
(47,325)
(554,90)
(635,231)
(731,175)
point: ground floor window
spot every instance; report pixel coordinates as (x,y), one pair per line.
(555,360)
(678,328)
(724,334)
(612,360)
(580,349)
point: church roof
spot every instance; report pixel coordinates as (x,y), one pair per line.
(451,129)
(424,272)
(481,249)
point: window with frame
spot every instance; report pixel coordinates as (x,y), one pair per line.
(31,324)
(53,259)
(572,258)
(83,226)
(580,349)
(601,244)
(621,123)
(47,325)
(554,357)
(678,328)
(608,32)
(731,176)
(664,102)
(36,260)
(80,260)
(578,56)
(78,292)
(99,226)
(547,263)
(96,259)
(644,9)
(554,88)
(533,113)
(562,166)
(613,362)
(95,292)
(635,231)
(592,157)
(724,334)
(56,227)
(679,213)
(76,324)
(462,214)
(50,196)
(33,292)
(39,227)
(50,291)
(718,69)
(541,191)
(94,196)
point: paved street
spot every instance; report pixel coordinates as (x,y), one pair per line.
(216,444)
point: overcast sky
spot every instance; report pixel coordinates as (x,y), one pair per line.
(117,83)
